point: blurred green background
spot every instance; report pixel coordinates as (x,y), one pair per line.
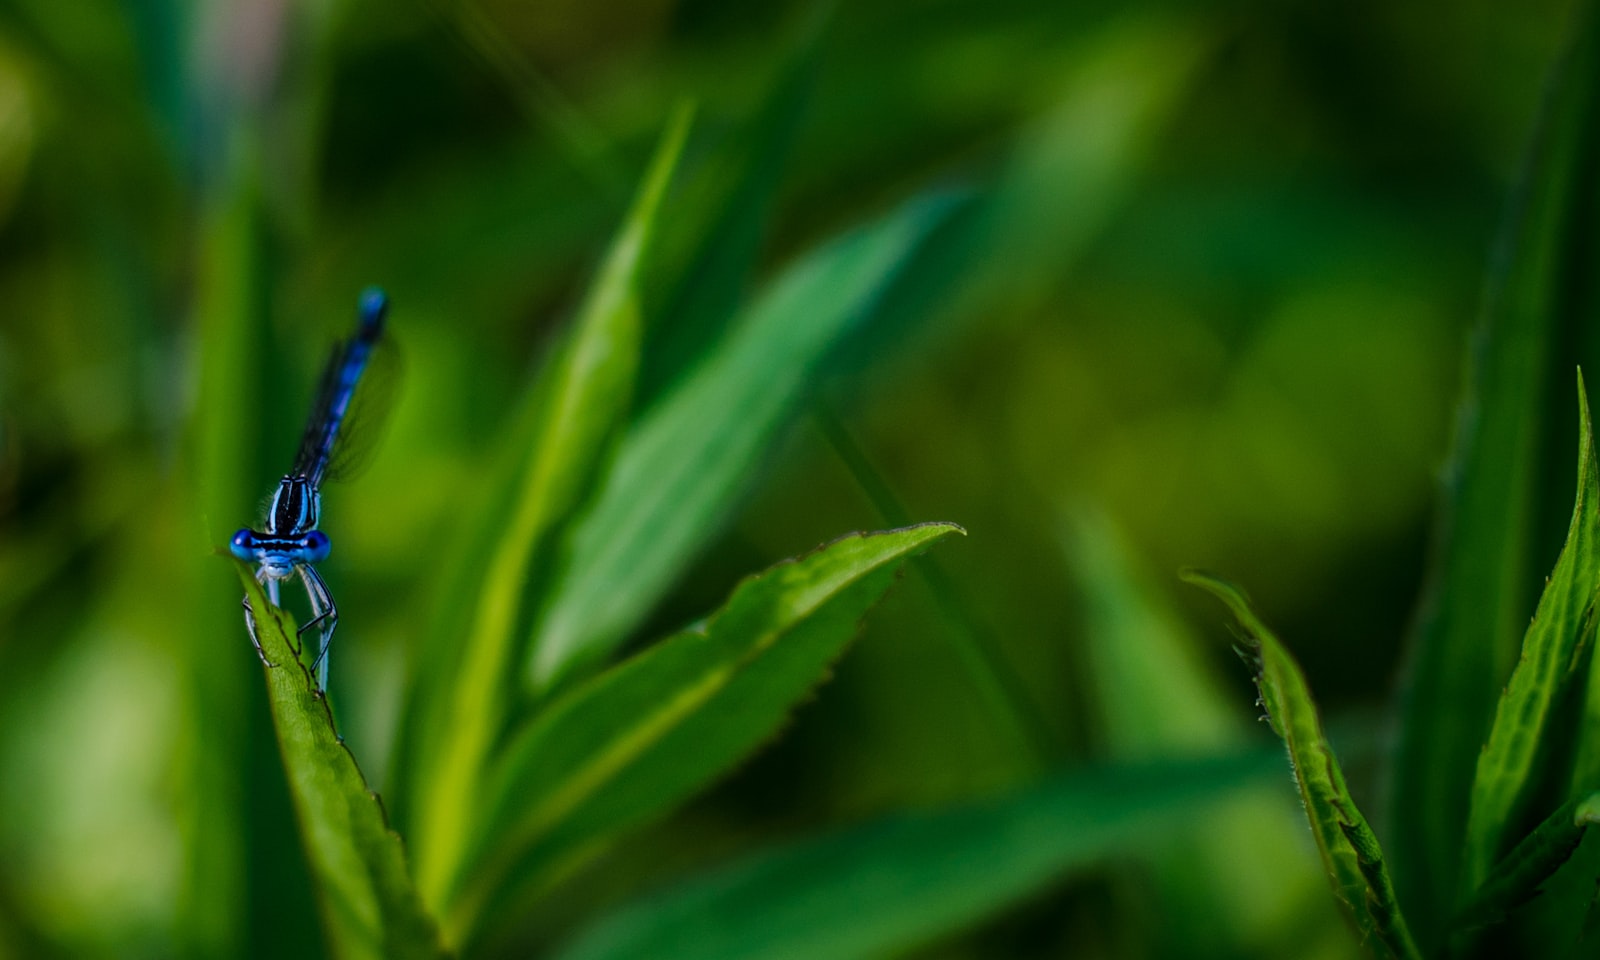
(1217,301)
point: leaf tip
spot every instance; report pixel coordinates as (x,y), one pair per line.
(923,533)
(933,531)
(1588,811)
(1224,590)
(1584,423)
(1234,598)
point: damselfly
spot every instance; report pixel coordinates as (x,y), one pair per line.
(291,545)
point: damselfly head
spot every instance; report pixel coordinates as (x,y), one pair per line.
(279,555)
(243,544)
(314,547)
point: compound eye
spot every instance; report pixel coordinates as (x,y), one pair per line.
(315,545)
(243,544)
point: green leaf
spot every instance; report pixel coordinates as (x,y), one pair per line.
(230,794)
(1349,849)
(585,398)
(683,465)
(1516,879)
(639,739)
(1552,651)
(882,888)
(368,903)
(708,289)
(1485,565)
(1248,882)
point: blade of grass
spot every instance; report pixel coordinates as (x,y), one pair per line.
(883,888)
(639,739)
(1483,569)
(684,464)
(1516,879)
(1551,653)
(1350,851)
(587,396)
(368,903)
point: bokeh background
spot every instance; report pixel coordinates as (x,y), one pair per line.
(1218,306)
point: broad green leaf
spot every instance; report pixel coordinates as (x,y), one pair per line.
(1517,878)
(1485,567)
(882,888)
(1552,652)
(585,398)
(1349,849)
(368,903)
(681,467)
(1248,881)
(639,739)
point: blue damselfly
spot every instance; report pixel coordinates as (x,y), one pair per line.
(291,545)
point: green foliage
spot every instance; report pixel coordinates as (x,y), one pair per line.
(1349,849)
(1524,754)
(1249,879)
(1472,851)
(1010,257)
(632,743)
(647,735)
(589,385)
(1519,876)
(1488,555)
(368,903)
(890,885)
(681,467)
(1553,654)
(501,795)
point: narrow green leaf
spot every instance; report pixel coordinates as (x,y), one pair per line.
(368,903)
(586,398)
(1551,654)
(707,291)
(1485,565)
(681,467)
(1349,849)
(882,888)
(1248,882)
(221,483)
(1517,878)
(639,739)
